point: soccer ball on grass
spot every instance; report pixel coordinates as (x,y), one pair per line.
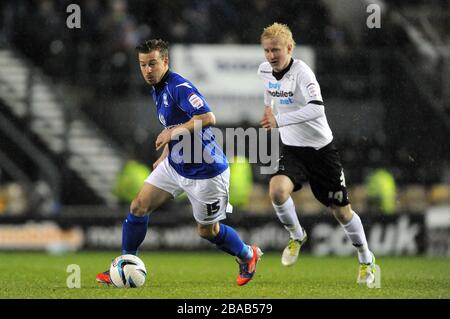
(127,271)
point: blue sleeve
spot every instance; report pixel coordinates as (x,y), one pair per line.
(190,100)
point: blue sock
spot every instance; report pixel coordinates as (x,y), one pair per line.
(134,230)
(246,253)
(229,241)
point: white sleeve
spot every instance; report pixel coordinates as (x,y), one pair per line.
(306,113)
(309,86)
(310,89)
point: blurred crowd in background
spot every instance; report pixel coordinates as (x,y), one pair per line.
(111,29)
(97,63)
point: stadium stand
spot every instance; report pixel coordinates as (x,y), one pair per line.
(64,89)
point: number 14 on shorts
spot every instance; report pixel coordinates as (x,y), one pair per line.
(339,196)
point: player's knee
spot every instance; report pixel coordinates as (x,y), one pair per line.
(279,195)
(138,208)
(206,231)
(343,214)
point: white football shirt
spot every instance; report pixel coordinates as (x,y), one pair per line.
(293,92)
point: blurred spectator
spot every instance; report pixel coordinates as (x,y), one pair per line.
(241,182)
(381,192)
(130,180)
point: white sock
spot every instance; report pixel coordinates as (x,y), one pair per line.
(288,217)
(355,232)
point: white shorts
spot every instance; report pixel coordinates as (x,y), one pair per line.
(209,197)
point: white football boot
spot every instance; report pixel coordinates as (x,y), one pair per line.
(292,250)
(366,274)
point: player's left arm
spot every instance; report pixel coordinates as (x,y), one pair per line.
(310,112)
(314,108)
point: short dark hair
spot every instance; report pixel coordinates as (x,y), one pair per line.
(154,45)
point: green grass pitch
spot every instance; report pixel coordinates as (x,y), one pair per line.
(206,275)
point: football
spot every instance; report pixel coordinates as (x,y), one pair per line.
(127,271)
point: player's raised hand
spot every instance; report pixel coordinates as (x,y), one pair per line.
(268,120)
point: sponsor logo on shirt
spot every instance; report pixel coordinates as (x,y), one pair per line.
(195,101)
(281,93)
(275,86)
(165,101)
(286,101)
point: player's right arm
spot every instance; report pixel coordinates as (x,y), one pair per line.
(202,120)
(194,105)
(268,101)
(268,119)
(267,98)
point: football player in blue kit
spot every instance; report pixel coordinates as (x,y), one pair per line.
(181,110)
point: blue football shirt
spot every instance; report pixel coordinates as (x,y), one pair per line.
(177,101)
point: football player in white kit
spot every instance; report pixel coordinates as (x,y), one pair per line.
(291,88)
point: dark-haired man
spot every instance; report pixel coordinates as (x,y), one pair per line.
(206,182)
